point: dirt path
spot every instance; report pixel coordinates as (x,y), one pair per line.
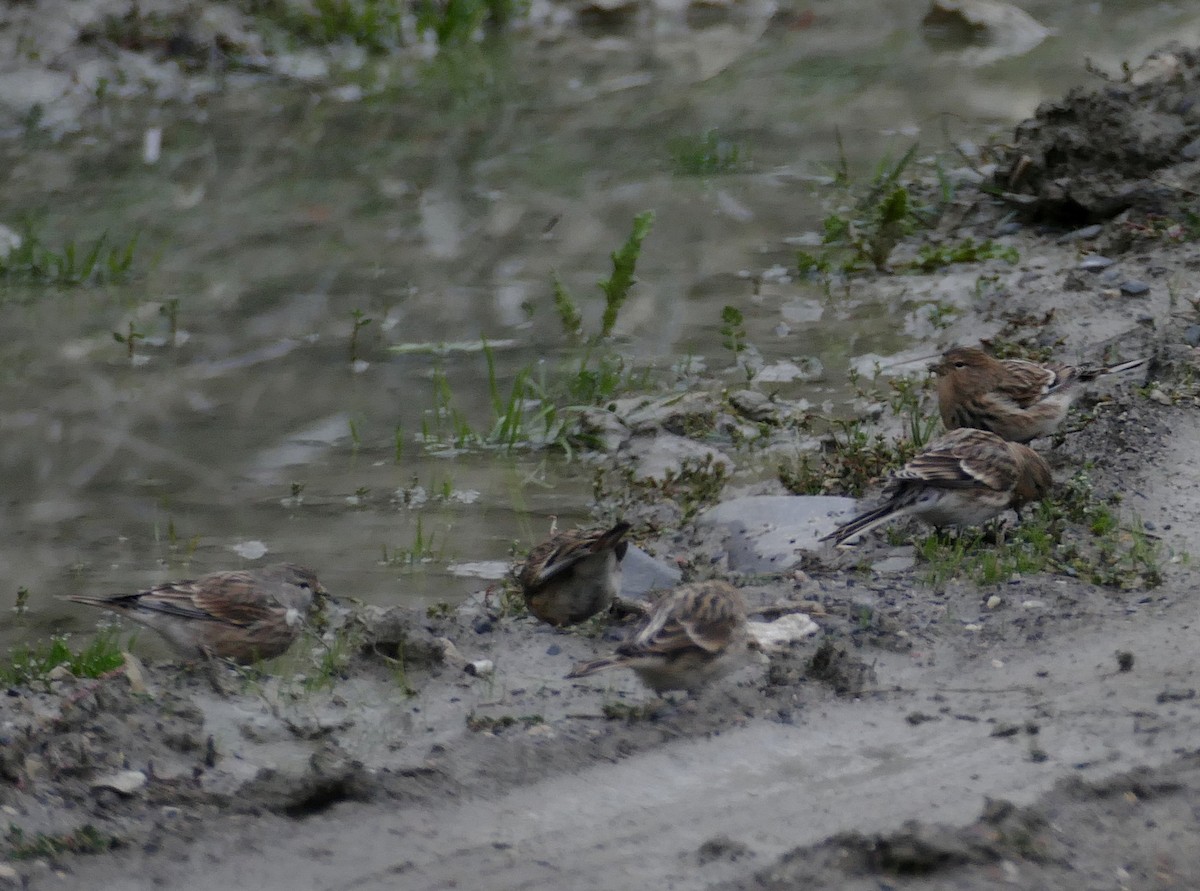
(846,765)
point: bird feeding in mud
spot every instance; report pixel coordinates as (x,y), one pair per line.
(963,478)
(692,636)
(574,575)
(240,615)
(1016,399)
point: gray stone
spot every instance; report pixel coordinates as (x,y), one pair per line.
(1094,263)
(894,563)
(602,429)
(765,533)
(1084,234)
(641,573)
(1134,288)
(681,413)
(665,455)
(1192,335)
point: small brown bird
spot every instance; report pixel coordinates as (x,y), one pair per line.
(1013,398)
(574,575)
(243,615)
(963,478)
(693,635)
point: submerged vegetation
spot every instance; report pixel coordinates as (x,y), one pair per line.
(532,411)
(873,217)
(28,260)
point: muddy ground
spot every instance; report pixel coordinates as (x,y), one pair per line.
(1040,733)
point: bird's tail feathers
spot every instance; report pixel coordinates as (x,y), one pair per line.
(105,601)
(613,536)
(1089,374)
(584,669)
(864,523)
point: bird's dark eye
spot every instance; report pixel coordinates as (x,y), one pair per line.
(304,584)
(960,364)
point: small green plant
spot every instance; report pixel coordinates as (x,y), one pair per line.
(1074,533)
(333,658)
(85,840)
(170,309)
(624,260)
(495,724)
(31,261)
(906,401)
(696,485)
(375,25)
(129,338)
(706,155)
(360,321)
(862,233)
(422,549)
(733,330)
(931,257)
(532,410)
(568,312)
(630,714)
(21,606)
(30,665)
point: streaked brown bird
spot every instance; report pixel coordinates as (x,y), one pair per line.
(963,478)
(1016,399)
(241,615)
(693,635)
(575,574)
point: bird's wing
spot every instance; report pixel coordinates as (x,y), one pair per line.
(234,598)
(701,616)
(964,459)
(1029,382)
(562,551)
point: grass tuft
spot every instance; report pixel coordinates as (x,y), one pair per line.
(30,665)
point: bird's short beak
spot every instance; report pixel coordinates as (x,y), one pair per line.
(938,367)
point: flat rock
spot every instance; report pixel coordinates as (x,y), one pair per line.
(766,532)
(783,632)
(661,456)
(641,573)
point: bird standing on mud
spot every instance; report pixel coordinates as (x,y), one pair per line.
(574,575)
(963,478)
(692,636)
(241,615)
(1016,399)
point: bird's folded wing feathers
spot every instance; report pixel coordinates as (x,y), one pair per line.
(948,470)
(1028,382)
(232,597)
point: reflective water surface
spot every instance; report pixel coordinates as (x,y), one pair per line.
(439,203)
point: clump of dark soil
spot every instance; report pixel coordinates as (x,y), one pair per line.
(1124,144)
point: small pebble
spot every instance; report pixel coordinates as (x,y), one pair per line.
(1083,234)
(1192,335)
(1010,228)
(480,667)
(994,601)
(553,650)
(1134,288)
(483,625)
(1094,263)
